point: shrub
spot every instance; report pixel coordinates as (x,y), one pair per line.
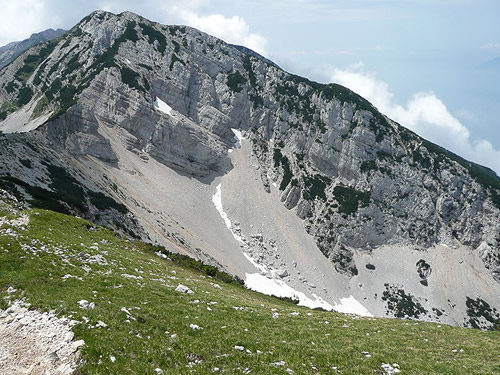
(174,60)
(314,187)
(24,96)
(235,80)
(350,199)
(130,77)
(209,270)
(153,35)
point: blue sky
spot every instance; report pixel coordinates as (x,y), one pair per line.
(421,62)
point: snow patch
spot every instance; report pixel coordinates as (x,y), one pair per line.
(279,288)
(217,201)
(351,305)
(261,267)
(238,138)
(162,106)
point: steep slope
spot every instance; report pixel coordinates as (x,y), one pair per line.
(11,51)
(131,309)
(319,196)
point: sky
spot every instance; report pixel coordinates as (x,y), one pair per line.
(427,64)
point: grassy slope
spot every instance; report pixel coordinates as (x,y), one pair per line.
(310,342)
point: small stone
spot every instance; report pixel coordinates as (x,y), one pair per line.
(101,324)
(78,344)
(282,273)
(279,363)
(53,357)
(183,289)
(11,290)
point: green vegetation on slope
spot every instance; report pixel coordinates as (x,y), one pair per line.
(350,199)
(57,260)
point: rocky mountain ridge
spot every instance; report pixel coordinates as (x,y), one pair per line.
(11,51)
(358,180)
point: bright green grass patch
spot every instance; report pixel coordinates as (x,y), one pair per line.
(115,273)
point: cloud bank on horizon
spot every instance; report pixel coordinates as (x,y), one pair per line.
(424,113)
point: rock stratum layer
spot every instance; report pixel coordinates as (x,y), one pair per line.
(132,124)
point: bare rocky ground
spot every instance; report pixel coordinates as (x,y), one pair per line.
(36,343)
(266,244)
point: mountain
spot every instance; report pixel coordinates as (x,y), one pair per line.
(301,189)
(11,51)
(101,304)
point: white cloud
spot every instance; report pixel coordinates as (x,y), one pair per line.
(231,29)
(19,17)
(491,46)
(424,113)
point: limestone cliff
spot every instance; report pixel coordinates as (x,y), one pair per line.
(357,179)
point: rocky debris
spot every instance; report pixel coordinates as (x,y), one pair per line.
(101,324)
(86,305)
(194,359)
(366,354)
(135,277)
(424,269)
(282,272)
(128,313)
(279,363)
(391,370)
(183,289)
(36,343)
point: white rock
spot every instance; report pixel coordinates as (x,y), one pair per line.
(183,289)
(84,304)
(78,344)
(101,324)
(279,363)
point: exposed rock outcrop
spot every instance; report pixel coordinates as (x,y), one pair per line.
(358,180)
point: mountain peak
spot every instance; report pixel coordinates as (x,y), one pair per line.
(11,51)
(140,119)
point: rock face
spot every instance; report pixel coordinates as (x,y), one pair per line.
(358,180)
(11,51)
